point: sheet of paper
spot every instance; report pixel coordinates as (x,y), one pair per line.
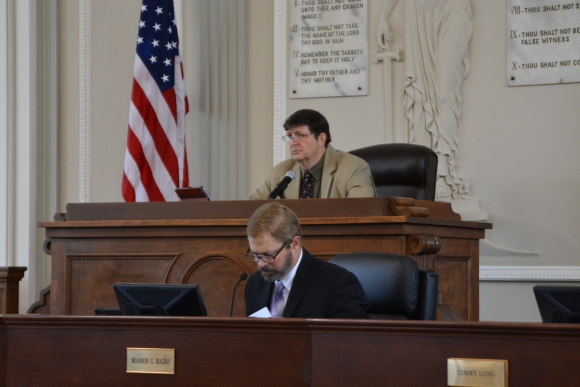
(262,313)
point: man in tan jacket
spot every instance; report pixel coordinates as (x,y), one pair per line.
(321,171)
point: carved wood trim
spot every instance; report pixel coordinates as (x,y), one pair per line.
(406,207)
(422,248)
(12,273)
(42,306)
(47,246)
(59,217)
(200,261)
(423,244)
(169,267)
(10,277)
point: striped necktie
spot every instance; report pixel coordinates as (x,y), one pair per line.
(277,308)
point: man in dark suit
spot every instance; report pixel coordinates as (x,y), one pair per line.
(290,282)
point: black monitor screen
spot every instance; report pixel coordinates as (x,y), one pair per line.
(558,304)
(159,300)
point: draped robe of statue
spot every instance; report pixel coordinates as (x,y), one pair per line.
(437,33)
(436,36)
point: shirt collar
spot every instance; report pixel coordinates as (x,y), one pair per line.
(287,281)
(316,170)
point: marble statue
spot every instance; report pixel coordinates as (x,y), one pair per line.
(437,33)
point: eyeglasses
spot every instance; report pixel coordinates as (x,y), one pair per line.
(295,137)
(266,258)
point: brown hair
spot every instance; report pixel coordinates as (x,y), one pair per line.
(315,121)
(277,219)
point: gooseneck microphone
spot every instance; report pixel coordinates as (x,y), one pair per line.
(243,277)
(281,187)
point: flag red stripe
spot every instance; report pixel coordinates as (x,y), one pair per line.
(162,144)
(169,96)
(127,190)
(134,148)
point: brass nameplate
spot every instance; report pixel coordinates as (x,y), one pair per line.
(151,361)
(477,372)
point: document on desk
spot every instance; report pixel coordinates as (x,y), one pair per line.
(262,313)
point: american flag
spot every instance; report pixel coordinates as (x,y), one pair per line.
(155,159)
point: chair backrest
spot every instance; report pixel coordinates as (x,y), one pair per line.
(406,170)
(394,285)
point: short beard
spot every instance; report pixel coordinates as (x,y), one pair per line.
(270,274)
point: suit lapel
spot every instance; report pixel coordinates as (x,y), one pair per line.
(293,189)
(266,295)
(328,172)
(299,285)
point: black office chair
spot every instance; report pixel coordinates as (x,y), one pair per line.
(406,170)
(558,304)
(395,287)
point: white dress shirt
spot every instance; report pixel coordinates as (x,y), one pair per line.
(287,281)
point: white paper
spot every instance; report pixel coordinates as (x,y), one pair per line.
(262,313)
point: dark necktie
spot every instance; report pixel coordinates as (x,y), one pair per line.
(307,186)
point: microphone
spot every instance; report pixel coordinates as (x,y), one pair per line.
(243,277)
(281,187)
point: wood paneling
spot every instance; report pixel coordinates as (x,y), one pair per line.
(100,244)
(10,277)
(91,351)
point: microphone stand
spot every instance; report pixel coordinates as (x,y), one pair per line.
(243,277)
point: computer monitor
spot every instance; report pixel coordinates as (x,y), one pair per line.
(558,304)
(159,299)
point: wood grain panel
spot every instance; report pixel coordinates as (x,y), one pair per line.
(326,245)
(192,231)
(217,275)
(10,277)
(80,355)
(212,352)
(453,274)
(91,278)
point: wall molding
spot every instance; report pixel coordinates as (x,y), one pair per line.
(47,132)
(280,10)
(7,133)
(85,100)
(530,273)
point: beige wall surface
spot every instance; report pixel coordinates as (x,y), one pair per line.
(519,145)
(69,102)
(261,90)
(112,50)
